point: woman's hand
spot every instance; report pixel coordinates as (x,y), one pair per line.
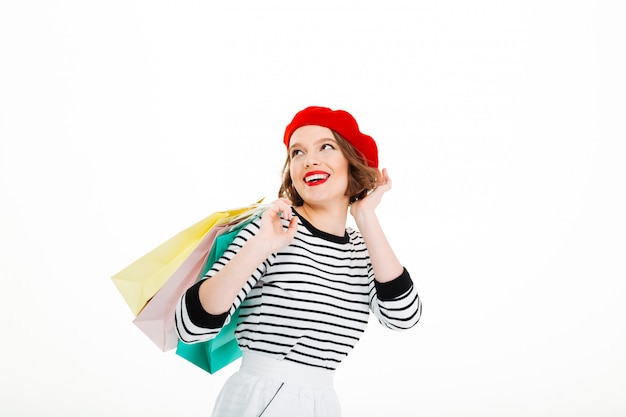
(368,204)
(272,231)
(218,293)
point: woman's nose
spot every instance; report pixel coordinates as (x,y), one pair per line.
(310,160)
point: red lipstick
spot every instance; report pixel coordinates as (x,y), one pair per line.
(313,178)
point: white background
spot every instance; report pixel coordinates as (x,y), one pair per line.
(501,124)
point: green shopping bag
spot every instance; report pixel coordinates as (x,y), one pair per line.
(222,350)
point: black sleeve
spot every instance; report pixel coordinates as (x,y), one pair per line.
(197,313)
(388,291)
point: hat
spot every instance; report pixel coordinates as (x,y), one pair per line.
(341,122)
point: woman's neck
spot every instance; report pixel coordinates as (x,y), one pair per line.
(331,219)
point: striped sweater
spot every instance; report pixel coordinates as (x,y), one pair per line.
(308,303)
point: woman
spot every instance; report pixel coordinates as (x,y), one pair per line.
(305,282)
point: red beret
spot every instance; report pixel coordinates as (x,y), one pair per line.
(341,122)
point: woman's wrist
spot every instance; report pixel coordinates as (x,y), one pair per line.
(364,217)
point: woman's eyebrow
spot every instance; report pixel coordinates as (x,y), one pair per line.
(320,140)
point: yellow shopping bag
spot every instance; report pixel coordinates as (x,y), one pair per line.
(142,279)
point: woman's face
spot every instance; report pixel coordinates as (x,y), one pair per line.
(318,167)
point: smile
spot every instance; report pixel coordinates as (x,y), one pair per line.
(316,178)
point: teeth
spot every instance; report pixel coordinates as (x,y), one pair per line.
(315,177)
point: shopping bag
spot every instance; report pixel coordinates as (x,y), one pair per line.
(214,354)
(156,319)
(141,280)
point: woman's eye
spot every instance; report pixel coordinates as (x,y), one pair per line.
(295,152)
(327,146)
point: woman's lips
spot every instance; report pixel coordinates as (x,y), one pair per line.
(316,178)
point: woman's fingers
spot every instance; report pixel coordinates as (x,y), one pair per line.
(282,207)
(272,229)
(279,209)
(293,227)
(384,180)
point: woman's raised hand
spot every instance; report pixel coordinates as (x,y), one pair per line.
(272,230)
(370,202)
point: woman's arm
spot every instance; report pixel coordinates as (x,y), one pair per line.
(218,293)
(384,261)
(394,299)
(205,307)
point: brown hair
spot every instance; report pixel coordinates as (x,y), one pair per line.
(361,177)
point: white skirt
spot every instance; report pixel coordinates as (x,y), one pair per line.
(266,387)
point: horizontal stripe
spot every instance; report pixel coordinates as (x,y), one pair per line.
(310,302)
